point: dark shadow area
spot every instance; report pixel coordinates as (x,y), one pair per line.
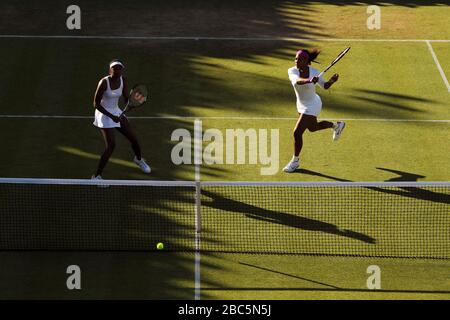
(77,217)
(156,17)
(196,18)
(286,219)
(402,176)
(417,193)
(392,95)
(321,175)
(391,100)
(87,219)
(374,102)
(386,103)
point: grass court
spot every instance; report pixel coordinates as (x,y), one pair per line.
(226,64)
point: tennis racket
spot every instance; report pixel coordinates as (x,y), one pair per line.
(339,57)
(138,96)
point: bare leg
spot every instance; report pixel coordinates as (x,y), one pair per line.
(302,124)
(126,130)
(316,126)
(110,142)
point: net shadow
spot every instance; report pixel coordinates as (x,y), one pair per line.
(281,218)
(410,192)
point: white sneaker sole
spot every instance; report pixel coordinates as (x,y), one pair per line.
(100,183)
(143,170)
(290,170)
(337,134)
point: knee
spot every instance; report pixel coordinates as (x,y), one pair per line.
(313,128)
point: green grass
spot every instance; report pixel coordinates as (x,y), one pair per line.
(42,275)
(287,277)
(374,84)
(442,51)
(350,21)
(415,150)
(247,79)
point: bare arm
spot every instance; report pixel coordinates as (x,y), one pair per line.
(327,84)
(101,88)
(302,81)
(330,82)
(295,78)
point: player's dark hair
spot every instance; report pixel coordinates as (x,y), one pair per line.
(313,54)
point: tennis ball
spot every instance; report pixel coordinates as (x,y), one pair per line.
(160,246)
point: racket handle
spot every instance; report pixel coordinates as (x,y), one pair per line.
(124,109)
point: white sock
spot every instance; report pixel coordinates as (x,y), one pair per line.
(296,159)
(335,125)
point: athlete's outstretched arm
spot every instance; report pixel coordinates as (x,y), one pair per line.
(330,82)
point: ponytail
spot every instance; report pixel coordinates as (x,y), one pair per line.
(313,54)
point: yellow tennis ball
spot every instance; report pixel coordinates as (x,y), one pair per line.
(160,246)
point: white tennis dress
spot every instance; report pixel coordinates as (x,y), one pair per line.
(110,102)
(308,102)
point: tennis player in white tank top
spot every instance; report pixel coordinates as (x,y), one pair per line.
(304,78)
(107,116)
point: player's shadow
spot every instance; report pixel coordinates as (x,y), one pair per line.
(393,100)
(282,218)
(402,176)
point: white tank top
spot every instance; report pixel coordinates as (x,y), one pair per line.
(110,99)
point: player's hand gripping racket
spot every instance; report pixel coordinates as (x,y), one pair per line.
(339,57)
(138,96)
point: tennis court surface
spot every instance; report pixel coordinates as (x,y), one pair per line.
(377,197)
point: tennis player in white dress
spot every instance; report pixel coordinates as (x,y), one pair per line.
(108,119)
(304,78)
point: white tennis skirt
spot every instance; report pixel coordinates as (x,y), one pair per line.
(311,107)
(103,121)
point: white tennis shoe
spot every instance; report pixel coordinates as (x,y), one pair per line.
(100,184)
(292,166)
(143,165)
(338,128)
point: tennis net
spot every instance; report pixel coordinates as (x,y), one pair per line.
(391,219)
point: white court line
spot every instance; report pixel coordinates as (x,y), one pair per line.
(438,66)
(223,118)
(100,37)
